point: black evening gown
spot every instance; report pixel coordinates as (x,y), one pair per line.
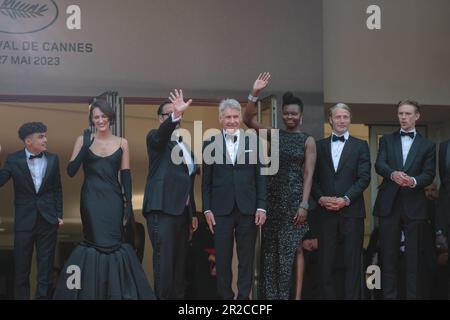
(109,268)
(280,238)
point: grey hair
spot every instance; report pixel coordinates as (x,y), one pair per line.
(229,103)
(339,105)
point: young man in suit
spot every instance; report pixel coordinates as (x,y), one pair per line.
(342,174)
(407,162)
(38,208)
(169,205)
(234,199)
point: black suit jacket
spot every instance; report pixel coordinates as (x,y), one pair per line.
(420,164)
(225,184)
(168,184)
(351,178)
(28,204)
(443,212)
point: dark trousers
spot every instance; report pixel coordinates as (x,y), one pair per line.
(242,228)
(169,237)
(44,236)
(390,235)
(350,233)
(311,278)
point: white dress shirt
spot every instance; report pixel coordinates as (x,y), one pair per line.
(406,144)
(231,145)
(37,167)
(336,149)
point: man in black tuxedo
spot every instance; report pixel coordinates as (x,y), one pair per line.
(406,161)
(234,198)
(341,175)
(169,205)
(38,208)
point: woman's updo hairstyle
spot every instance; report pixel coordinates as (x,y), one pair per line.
(289,98)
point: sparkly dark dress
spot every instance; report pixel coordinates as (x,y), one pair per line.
(280,237)
(109,268)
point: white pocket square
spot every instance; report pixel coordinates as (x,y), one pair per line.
(248,150)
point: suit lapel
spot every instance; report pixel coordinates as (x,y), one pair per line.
(398,150)
(24,167)
(328,157)
(348,146)
(174,144)
(196,166)
(243,145)
(226,156)
(188,149)
(50,162)
(413,151)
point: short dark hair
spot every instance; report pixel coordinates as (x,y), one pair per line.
(161,107)
(413,103)
(289,98)
(31,127)
(104,107)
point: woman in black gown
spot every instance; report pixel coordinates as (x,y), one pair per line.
(108,267)
(287,199)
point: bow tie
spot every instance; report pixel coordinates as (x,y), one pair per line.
(409,134)
(231,137)
(336,138)
(39,155)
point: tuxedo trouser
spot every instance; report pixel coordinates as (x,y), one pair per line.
(44,236)
(243,228)
(390,236)
(169,237)
(338,232)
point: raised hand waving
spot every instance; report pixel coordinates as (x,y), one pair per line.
(179,105)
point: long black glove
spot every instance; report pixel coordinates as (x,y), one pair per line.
(74,165)
(128,216)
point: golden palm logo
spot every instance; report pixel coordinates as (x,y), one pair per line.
(26,16)
(19,9)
